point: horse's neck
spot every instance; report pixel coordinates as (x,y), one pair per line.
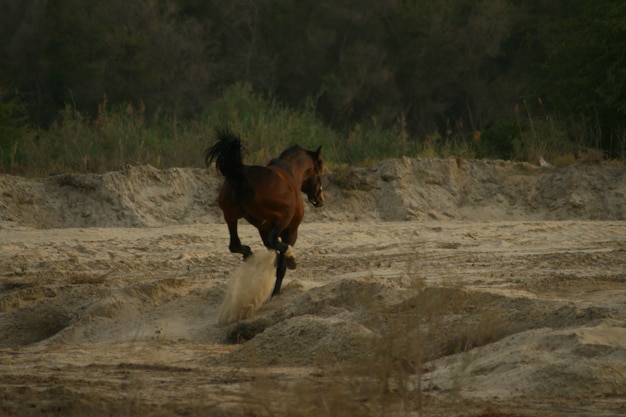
(299,168)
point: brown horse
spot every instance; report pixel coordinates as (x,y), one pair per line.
(268,197)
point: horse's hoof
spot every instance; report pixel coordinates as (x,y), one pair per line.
(246,252)
(290,258)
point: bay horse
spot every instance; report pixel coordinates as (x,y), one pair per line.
(268,197)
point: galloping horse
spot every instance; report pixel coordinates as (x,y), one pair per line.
(268,197)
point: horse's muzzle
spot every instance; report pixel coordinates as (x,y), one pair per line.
(317,201)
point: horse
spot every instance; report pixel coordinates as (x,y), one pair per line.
(268,197)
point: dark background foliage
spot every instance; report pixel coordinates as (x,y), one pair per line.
(448,66)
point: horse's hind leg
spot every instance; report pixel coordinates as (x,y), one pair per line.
(235,245)
(271,241)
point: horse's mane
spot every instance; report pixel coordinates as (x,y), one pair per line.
(289,151)
(281,158)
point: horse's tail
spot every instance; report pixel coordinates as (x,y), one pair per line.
(228,156)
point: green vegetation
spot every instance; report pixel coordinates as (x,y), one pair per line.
(86,87)
(13,130)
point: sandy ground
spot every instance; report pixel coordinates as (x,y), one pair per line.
(423,287)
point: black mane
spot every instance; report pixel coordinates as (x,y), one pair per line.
(280,161)
(281,158)
(289,151)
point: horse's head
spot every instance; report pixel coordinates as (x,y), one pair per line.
(310,169)
(312,184)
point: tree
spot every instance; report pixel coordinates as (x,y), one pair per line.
(13,128)
(130,51)
(448,60)
(584,70)
(23,39)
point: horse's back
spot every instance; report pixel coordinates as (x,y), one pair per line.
(270,181)
(274,195)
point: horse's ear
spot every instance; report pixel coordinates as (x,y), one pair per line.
(319,150)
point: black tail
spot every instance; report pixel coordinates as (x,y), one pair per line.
(228,156)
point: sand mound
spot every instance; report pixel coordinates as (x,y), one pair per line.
(136,196)
(115,315)
(308,340)
(362,317)
(454,189)
(399,189)
(577,362)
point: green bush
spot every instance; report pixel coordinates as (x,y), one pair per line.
(266,126)
(77,143)
(13,132)
(121,134)
(499,142)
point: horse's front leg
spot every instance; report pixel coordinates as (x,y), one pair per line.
(281,270)
(235,245)
(285,260)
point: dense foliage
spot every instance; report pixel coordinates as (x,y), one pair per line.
(484,78)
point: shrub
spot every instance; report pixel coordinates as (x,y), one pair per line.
(13,132)
(499,142)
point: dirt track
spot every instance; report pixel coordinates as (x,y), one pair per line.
(432,287)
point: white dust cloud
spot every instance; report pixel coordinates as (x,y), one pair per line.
(249,287)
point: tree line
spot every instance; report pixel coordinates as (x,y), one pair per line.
(455,67)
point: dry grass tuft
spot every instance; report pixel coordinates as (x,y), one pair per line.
(592,156)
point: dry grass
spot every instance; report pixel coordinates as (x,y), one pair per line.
(564,160)
(592,156)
